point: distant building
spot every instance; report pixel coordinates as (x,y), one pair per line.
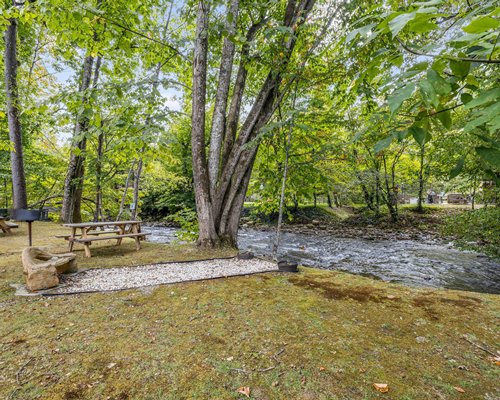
(456,198)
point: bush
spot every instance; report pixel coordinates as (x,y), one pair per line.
(166,199)
(187,220)
(476,230)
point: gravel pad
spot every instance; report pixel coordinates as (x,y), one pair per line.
(110,279)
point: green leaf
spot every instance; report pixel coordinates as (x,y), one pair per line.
(382,144)
(440,85)
(398,23)
(460,68)
(488,115)
(465,98)
(488,140)
(458,167)
(445,118)
(484,97)
(428,93)
(360,31)
(428,3)
(489,155)
(400,95)
(481,24)
(402,134)
(419,134)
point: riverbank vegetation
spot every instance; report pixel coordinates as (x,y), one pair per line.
(476,230)
(315,335)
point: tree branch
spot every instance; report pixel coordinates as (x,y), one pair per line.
(120,25)
(419,53)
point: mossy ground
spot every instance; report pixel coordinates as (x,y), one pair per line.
(326,335)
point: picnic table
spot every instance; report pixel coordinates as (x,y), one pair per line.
(109,230)
(6,226)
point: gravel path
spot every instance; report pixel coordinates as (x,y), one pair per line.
(109,279)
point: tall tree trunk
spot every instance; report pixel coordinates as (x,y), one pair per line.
(219,114)
(329,199)
(207,233)
(140,162)
(20,198)
(73,185)
(421,182)
(220,193)
(98,176)
(137,179)
(125,190)
(390,193)
(283,182)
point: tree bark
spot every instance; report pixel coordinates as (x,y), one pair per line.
(219,114)
(100,150)
(207,233)
(20,197)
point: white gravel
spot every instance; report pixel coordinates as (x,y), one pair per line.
(109,279)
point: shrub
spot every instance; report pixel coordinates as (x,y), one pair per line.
(476,230)
(167,198)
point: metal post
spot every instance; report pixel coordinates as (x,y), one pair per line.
(29,233)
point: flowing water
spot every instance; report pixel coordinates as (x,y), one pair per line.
(409,262)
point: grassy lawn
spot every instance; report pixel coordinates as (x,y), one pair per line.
(313,335)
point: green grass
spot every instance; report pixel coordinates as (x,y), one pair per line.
(326,335)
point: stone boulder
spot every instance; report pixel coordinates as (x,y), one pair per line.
(42,269)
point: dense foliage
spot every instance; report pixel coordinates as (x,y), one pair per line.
(382,102)
(476,230)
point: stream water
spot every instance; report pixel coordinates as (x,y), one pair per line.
(408,262)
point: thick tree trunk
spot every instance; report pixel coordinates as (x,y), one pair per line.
(20,198)
(221,184)
(207,233)
(219,114)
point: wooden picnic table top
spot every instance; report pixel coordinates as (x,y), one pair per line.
(97,224)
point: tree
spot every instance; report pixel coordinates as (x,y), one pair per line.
(20,197)
(221,183)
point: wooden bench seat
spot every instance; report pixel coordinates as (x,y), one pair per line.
(93,233)
(88,240)
(93,239)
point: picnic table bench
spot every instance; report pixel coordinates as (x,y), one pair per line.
(6,226)
(115,230)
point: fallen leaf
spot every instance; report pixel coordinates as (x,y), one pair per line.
(244,390)
(381,387)
(391,297)
(111,365)
(495,360)
(459,389)
(321,368)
